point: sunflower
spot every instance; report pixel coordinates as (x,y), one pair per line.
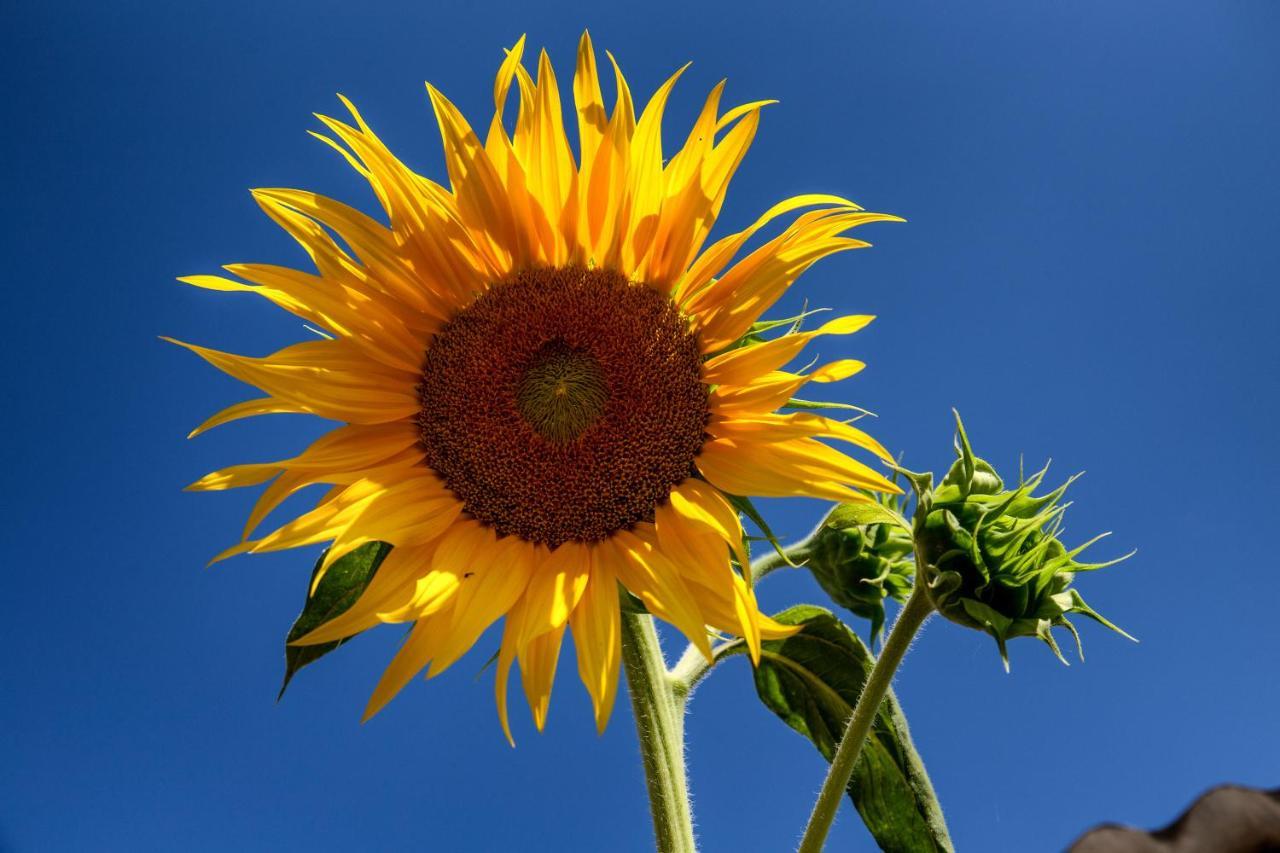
(546,386)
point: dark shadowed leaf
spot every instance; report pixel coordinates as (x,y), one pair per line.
(338,590)
(812,681)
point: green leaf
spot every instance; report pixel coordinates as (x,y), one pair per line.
(812,680)
(340,587)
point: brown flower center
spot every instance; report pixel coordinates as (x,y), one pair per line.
(563,404)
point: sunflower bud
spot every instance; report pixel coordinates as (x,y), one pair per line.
(861,555)
(993,558)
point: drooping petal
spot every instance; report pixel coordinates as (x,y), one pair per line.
(488,591)
(419,648)
(392,586)
(649,575)
(538,661)
(597,636)
(702,557)
(555,587)
(701,504)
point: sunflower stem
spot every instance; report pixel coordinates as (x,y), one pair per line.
(914,612)
(660,727)
(792,555)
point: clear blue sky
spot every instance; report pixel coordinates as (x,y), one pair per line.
(1089,272)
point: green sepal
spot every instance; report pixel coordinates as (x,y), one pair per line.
(747,508)
(848,515)
(812,681)
(795,403)
(340,588)
(794,322)
(755,333)
(630,603)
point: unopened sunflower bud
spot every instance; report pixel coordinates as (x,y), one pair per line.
(861,555)
(993,558)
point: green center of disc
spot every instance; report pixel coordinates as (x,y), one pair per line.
(562,392)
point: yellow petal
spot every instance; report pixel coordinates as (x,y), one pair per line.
(646,185)
(703,559)
(588,101)
(773,390)
(743,469)
(248,409)
(392,585)
(538,662)
(778,427)
(418,649)
(714,259)
(605,180)
(555,587)
(702,504)
(795,467)
(325,378)
(552,171)
(743,365)
(295,479)
(494,583)
(725,309)
(648,574)
(413,512)
(597,636)
(482,199)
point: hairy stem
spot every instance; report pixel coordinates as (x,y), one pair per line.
(770,561)
(660,726)
(914,613)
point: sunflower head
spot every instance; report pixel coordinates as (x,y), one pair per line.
(992,557)
(861,558)
(549,384)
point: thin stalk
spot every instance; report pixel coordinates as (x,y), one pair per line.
(660,726)
(693,667)
(771,560)
(914,613)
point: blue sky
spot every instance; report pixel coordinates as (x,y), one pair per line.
(1088,273)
